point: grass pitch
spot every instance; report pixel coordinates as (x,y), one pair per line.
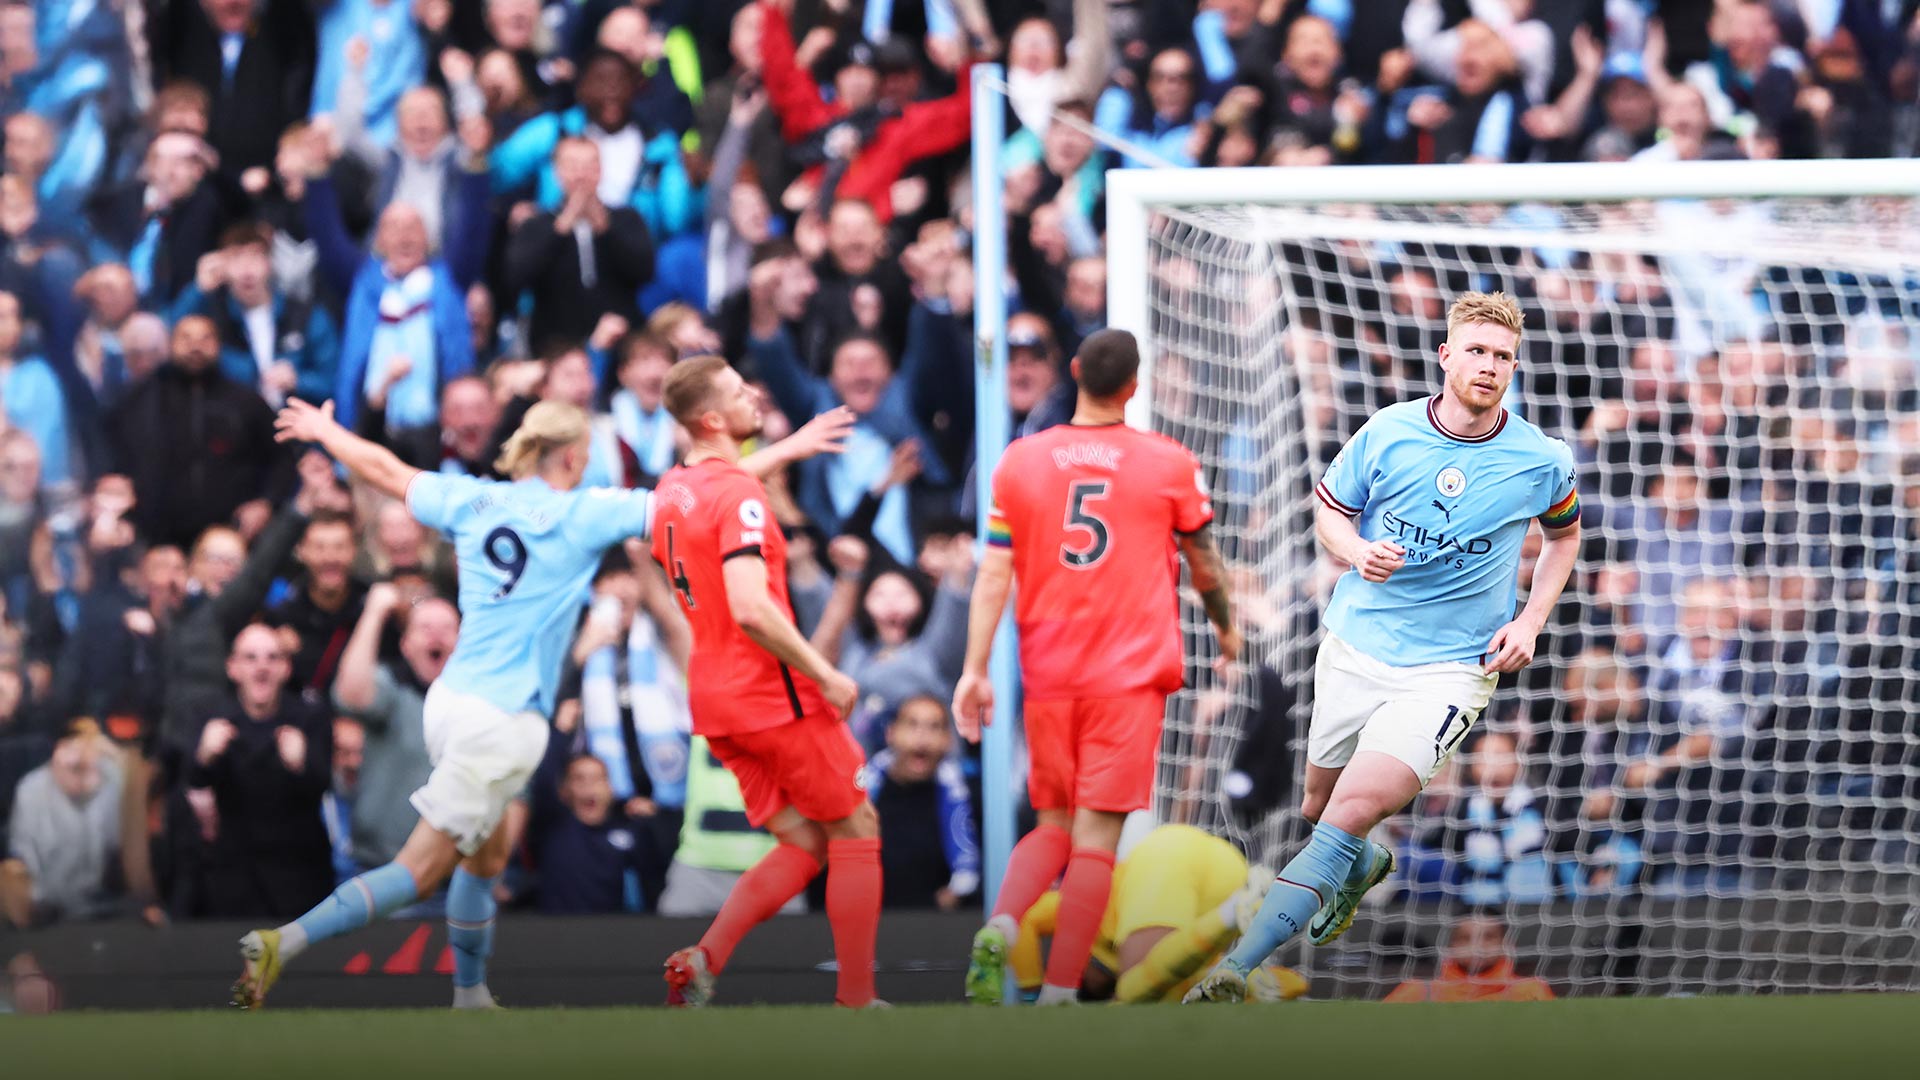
(1751,1038)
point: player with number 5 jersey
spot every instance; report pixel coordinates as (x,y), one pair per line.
(527,548)
(1089,519)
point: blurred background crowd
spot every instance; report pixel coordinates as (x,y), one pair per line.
(436,212)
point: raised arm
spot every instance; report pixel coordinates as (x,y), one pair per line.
(339,255)
(795,96)
(762,619)
(350,110)
(824,434)
(373,464)
(1091,57)
(465,248)
(973,697)
(355,687)
(245,594)
(796,390)
(848,557)
(730,152)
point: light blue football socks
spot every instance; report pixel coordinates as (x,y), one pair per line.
(372,895)
(1310,880)
(470,910)
(1362,866)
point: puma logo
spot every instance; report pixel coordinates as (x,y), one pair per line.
(1437,505)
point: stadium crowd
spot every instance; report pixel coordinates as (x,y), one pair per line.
(435,212)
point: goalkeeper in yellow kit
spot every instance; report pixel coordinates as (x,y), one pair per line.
(1179,900)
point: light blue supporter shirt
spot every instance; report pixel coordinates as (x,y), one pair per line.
(1460,507)
(526,555)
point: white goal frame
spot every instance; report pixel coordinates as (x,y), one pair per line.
(1137,197)
(1134,195)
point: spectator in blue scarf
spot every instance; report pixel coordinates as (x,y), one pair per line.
(406,332)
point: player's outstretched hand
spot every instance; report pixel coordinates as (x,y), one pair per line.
(1381,559)
(302,421)
(1512,647)
(824,434)
(841,693)
(972,705)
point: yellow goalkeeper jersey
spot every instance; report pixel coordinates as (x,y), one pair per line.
(1176,875)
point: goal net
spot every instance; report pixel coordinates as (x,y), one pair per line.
(1709,780)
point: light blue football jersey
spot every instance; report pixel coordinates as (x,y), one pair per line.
(1460,508)
(526,554)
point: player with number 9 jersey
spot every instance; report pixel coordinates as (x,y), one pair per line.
(526,553)
(527,549)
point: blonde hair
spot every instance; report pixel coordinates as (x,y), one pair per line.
(1477,307)
(669,317)
(548,426)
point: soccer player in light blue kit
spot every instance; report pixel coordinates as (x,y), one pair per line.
(1428,504)
(526,551)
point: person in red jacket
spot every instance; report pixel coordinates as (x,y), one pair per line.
(861,143)
(1478,966)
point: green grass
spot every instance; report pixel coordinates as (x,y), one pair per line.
(1751,1038)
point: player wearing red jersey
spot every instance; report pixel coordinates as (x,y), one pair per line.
(1089,518)
(769,705)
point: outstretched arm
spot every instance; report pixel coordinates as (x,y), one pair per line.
(973,696)
(824,434)
(356,685)
(1209,572)
(375,465)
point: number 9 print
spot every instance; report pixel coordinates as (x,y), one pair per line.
(508,554)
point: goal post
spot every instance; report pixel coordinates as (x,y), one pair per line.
(1710,778)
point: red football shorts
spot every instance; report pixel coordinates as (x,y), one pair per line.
(1094,753)
(812,764)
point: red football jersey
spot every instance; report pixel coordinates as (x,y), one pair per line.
(1091,513)
(704,515)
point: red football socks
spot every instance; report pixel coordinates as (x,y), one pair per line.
(1083,903)
(1036,863)
(778,877)
(853,909)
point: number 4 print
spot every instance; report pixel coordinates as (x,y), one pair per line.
(678,569)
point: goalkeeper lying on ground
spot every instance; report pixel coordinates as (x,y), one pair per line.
(1179,900)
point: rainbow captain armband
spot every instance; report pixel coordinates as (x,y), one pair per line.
(999,533)
(1563,513)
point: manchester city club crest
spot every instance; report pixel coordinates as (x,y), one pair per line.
(1451,481)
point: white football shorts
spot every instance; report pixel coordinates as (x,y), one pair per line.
(482,758)
(1417,715)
